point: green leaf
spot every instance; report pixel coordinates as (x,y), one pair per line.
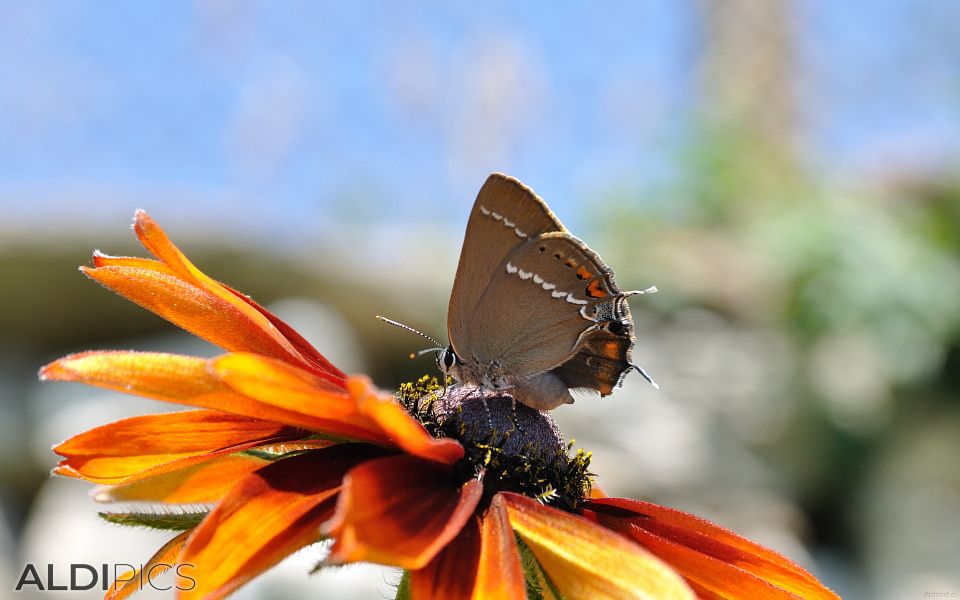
(403,588)
(535,576)
(170,521)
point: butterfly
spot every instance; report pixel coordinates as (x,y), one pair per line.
(534,310)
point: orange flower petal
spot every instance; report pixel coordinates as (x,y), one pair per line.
(403,429)
(199,311)
(705,553)
(188,380)
(399,510)
(142,446)
(452,573)
(156,241)
(288,387)
(481,563)
(201,483)
(712,579)
(268,515)
(105,260)
(298,341)
(499,573)
(132,582)
(584,560)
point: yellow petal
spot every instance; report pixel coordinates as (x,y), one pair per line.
(717,562)
(585,561)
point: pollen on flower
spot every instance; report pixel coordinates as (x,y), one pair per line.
(515,447)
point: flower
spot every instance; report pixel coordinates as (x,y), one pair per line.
(471,494)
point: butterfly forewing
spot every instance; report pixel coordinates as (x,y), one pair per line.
(544,301)
(505,215)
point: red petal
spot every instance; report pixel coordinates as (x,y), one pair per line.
(708,555)
(481,563)
(188,380)
(268,515)
(584,560)
(139,447)
(399,510)
(452,573)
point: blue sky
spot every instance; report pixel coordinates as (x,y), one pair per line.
(275,115)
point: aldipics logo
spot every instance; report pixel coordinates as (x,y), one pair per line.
(81,576)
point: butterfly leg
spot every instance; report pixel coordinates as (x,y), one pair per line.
(513,415)
(486,409)
(544,391)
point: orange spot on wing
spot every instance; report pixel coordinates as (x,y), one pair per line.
(594,290)
(583,273)
(611,349)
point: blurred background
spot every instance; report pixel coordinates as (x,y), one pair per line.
(786,172)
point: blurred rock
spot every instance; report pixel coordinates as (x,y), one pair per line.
(908,510)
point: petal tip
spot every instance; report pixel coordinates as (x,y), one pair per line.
(58,370)
(52,371)
(65,471)
(141,221)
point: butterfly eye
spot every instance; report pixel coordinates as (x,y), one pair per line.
(448,359)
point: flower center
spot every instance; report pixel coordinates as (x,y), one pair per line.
(515,447)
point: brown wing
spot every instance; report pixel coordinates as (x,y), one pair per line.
(550,300)
(604,357)
(505,215)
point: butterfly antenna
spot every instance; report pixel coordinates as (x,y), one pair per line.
(412,330)
(650,290)
(437,348)
(425,350)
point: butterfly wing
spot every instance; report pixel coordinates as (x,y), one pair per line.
(604,357)
(550,300)
(505,215)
